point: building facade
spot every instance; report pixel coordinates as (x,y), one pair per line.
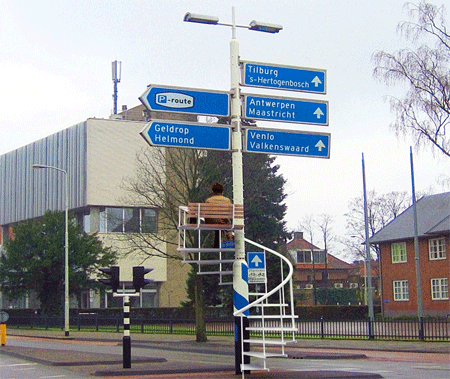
(98,156)
(316,269)
(398,259)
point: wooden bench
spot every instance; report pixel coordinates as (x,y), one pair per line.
(212,216)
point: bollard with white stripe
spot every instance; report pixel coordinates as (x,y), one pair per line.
(240,300)
(126,340)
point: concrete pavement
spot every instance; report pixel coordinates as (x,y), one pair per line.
(107,365)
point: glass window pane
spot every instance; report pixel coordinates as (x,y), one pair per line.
(114,220)
(131,220)
(149,221)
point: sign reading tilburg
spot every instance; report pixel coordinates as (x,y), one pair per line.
(291,78)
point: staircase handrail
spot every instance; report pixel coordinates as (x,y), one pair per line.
(275,289)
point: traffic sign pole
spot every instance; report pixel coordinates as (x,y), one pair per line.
(240,268)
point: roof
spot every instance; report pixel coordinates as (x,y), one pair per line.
(433,218)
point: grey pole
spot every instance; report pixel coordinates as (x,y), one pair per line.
(416,251)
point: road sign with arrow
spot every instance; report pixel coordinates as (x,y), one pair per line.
(256,267)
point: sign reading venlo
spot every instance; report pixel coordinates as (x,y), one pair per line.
(287,142)
(291,78)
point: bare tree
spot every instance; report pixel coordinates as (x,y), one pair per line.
(382,209)
(424,112)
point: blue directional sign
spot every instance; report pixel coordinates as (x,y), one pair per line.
(187,135)
(267,75)
(283,142)
(185,100)
(286,109)
(256,262)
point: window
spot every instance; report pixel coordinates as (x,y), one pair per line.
(305,256)
(439,289)
(398,252)
(436,248)
(128,220)
(401,290)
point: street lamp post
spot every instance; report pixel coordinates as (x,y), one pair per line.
(240,286)
(66,246)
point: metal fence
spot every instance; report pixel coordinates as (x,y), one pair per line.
(383,329)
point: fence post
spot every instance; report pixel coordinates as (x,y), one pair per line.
(96,322)
(142,323)
(421,329)
(321,327)
(79,321)
(370,326)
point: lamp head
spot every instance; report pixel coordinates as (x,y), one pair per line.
(265,27)
(201,19)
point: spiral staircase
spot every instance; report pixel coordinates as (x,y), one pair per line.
(268,321)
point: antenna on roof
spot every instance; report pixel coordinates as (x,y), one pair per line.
(116,74)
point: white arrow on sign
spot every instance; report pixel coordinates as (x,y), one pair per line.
(316,81)
(256,261)
(318,113)
(320,145)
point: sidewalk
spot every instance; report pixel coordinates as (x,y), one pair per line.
(108,365)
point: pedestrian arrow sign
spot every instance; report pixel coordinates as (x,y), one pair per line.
(256,267)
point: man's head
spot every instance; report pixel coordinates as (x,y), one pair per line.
(217,187)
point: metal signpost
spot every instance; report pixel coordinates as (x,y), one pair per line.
(287,142)
(286,109)
(257,107)
(290,78)
(186,100)
(188,135)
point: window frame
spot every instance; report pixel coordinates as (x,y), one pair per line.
(439,253)
(130,221)
(399,293)
(440,294)
(393,253)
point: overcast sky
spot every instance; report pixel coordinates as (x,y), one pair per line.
(55,71)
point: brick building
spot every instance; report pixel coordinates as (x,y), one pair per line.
(397,256)
(316,268)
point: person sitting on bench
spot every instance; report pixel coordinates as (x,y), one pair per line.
(218,198)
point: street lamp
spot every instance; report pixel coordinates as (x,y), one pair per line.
(66,246)
(240,286)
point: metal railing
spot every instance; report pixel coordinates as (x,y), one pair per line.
(382,329)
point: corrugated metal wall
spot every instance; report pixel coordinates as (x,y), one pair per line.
(28,193)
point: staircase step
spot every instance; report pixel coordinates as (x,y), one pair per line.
(271,305)
(271,329)
(272,317)
(267,342)
(250,367)
(261,355)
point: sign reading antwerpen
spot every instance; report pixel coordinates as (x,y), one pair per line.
(286,109)
(189,135)
(186,100)
(267,75)
(284,142)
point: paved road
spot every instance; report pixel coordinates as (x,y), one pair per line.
(173,356)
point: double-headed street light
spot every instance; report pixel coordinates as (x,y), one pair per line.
(66,246)
(240,286)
